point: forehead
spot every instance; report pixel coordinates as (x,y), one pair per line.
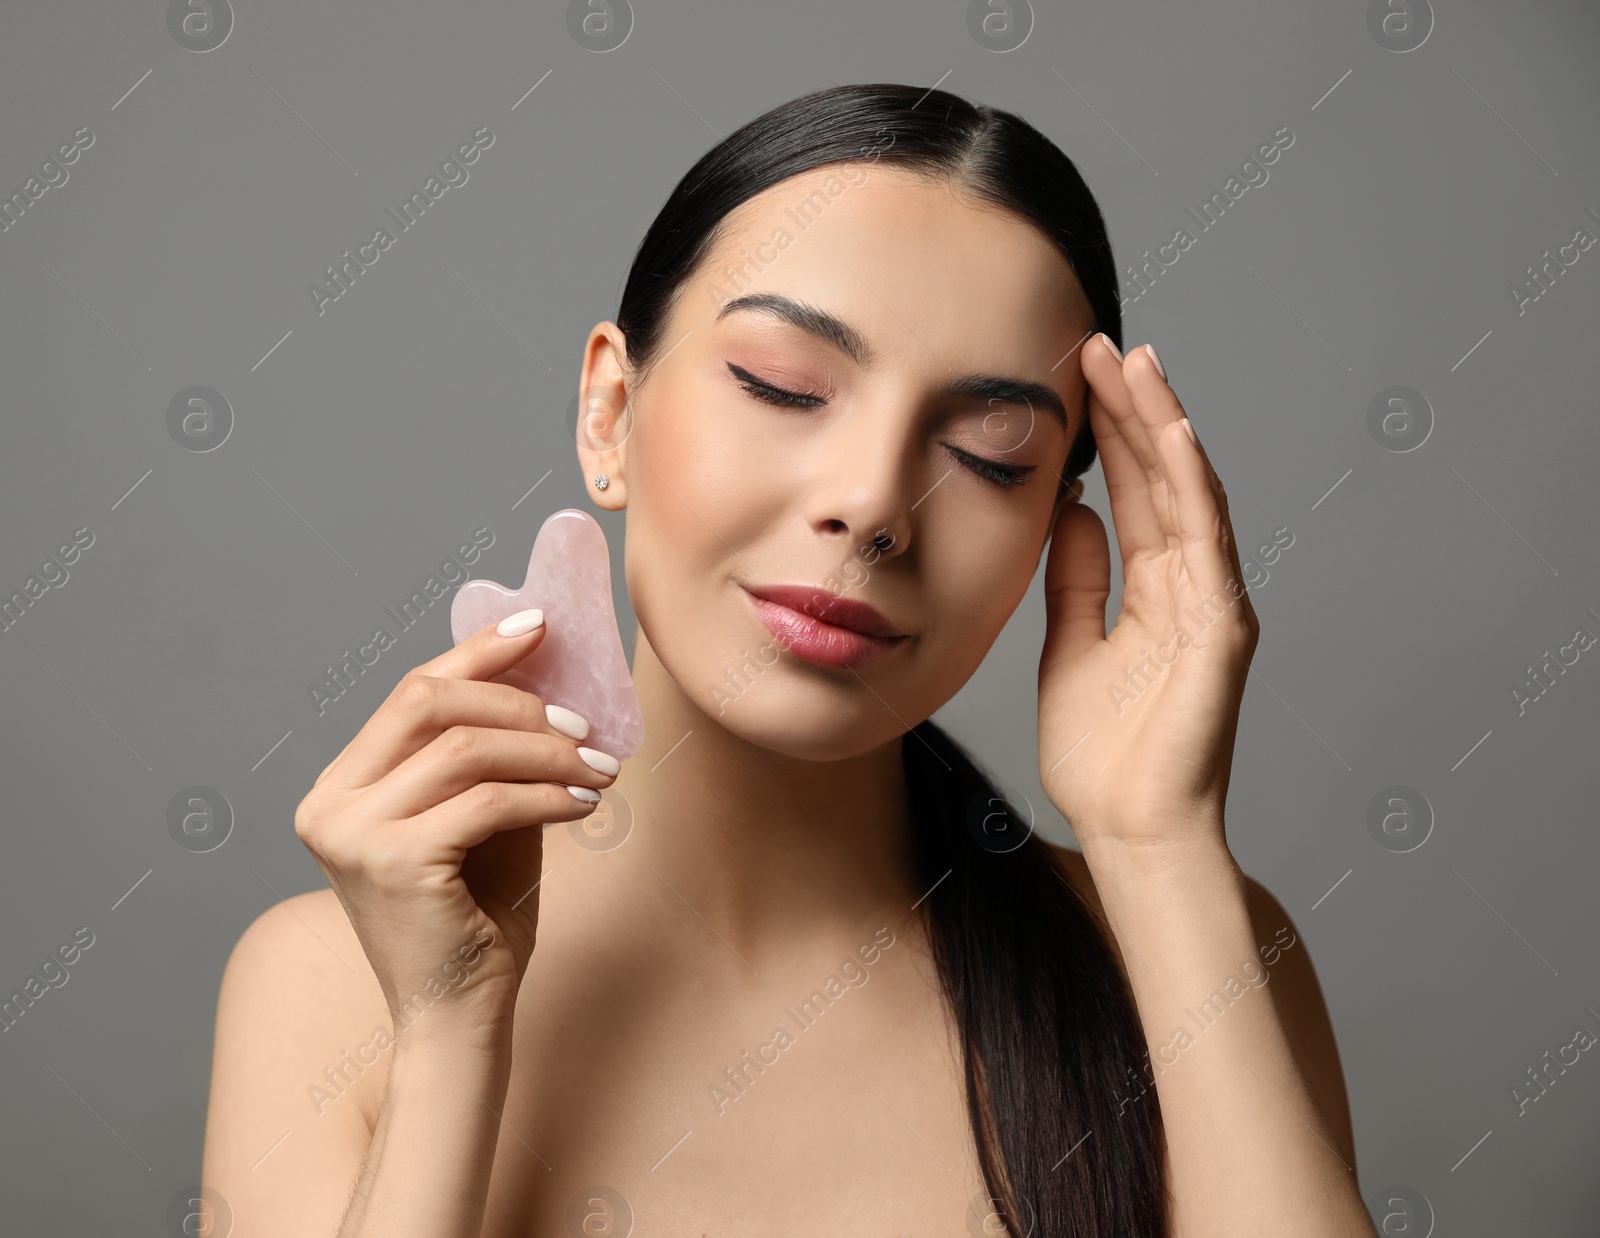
(908,250)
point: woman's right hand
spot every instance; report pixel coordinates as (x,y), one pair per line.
(420,826)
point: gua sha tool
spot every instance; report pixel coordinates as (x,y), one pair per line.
(579,663)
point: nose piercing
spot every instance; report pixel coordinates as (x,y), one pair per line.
(601,481)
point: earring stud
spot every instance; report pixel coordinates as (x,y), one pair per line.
(601,481)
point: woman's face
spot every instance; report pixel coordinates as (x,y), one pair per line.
(929,343)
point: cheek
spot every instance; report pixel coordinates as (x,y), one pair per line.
(700,492)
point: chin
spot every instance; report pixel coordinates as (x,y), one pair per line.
(809,722)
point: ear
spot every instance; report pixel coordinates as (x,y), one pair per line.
(605,415)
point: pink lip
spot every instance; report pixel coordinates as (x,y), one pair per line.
(791,613)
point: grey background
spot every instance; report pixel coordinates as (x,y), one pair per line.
(372,440)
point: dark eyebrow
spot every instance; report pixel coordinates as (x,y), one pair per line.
(853,344)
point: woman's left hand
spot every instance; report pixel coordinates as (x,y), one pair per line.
(1136,728)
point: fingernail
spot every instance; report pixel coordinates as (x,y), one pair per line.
(1150,348)
(521,622)
(1117,352)
(1189,429)
(587,794)
(596,759)
(572,725)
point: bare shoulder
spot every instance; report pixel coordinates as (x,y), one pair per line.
(1295,989)
(295,1075)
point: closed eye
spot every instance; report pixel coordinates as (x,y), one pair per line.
(774,395)
(1004,475)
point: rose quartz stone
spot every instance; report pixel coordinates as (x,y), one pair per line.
(579,664)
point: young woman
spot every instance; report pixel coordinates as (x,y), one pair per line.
(829,982)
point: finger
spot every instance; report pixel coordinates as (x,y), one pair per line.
(464,755)
(1077,583)
(483,810)
(1201,523)
(1109,377)
(400,725)
(422,707)
(1113,418)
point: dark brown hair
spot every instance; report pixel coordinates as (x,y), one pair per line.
(1048,1026)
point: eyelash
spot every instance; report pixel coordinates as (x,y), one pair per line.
(1001,475)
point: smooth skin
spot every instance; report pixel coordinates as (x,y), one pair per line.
(643,952)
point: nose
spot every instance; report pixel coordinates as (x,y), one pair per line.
(865,469)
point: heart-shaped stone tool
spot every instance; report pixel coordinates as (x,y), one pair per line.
(579,663)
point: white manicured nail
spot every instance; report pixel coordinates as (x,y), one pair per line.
(598,760)
(587,794)
(1151,349)
(568,723)
(519,623)
(1117,352)
(1190,430)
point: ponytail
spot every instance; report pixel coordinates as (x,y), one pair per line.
(1047,1023)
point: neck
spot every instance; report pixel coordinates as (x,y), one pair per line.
(758,843)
